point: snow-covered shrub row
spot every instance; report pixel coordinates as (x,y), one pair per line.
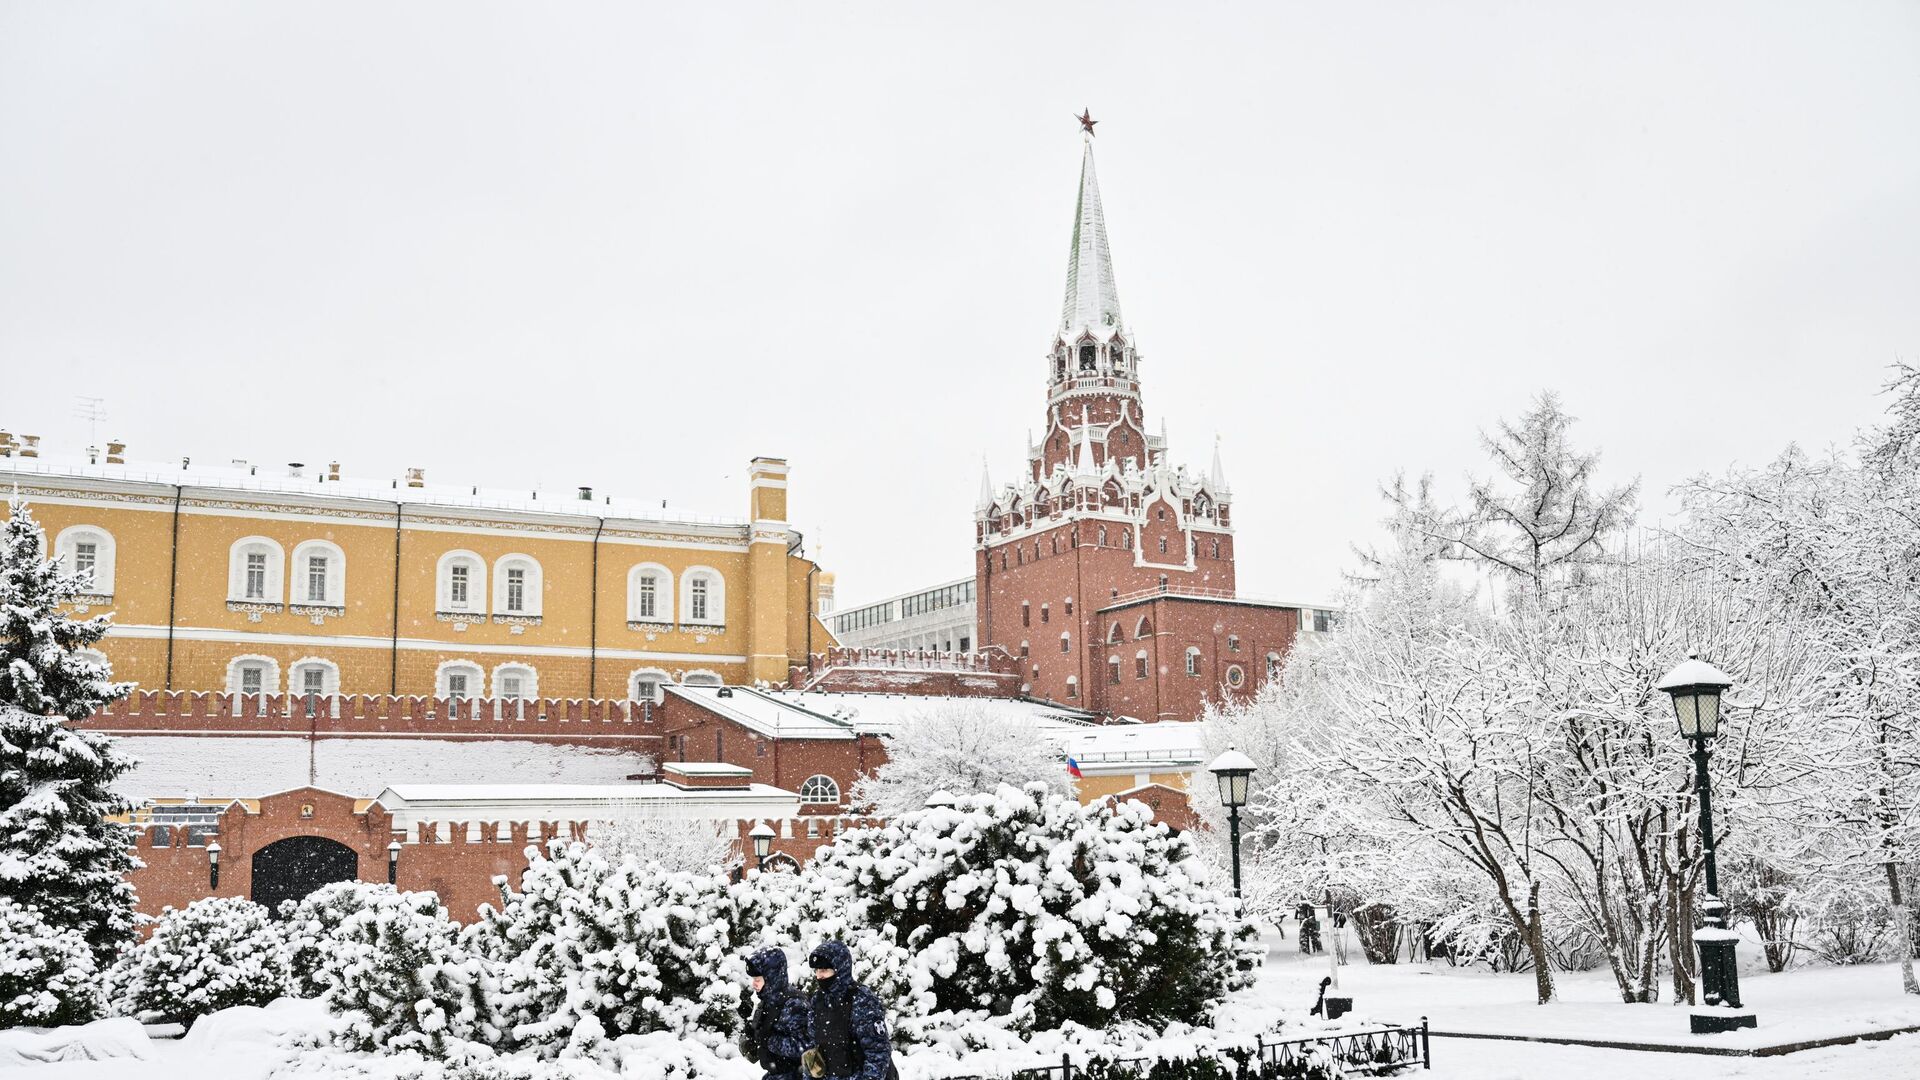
(1028,908)
(591,949)
(311,924)
(398,977)
(214,954)
(46,972)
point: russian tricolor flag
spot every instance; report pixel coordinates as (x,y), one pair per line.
(1073,767)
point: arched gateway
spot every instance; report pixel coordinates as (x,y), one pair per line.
(290,869)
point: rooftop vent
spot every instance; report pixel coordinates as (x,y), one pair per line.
(116,452)
(296,469)
(333,471)
(586,494)
(6,444)
(416,478)
(29,446)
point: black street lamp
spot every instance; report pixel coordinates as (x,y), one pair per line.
(393,862)
(1696,687)
(762,835)
(1232,770)
(213,866)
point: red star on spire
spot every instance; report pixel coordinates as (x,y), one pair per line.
(1086,120)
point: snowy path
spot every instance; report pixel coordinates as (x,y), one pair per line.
(1483,1059)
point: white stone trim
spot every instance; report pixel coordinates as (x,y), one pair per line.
(477,594)
(663,594)
(530,687)
(329,679)
(658,694)
(104,555)
(535,584)
(269,679)
(276,572)
(703,674)
(476,688)
(716,596)
(336,581)
(148,632)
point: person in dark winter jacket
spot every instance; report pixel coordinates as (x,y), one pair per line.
(848,1026)
(777,1026)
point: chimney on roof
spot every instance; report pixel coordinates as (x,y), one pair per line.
(30,446)
(296,469)
(116,452)
(6,444)
(416,477)
(586,494)
(333,471)
(93,455)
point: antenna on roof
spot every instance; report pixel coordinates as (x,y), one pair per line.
(93,410)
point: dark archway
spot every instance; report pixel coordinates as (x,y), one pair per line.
(290,869)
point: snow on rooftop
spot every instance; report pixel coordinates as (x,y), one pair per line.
(414,803)
(771,714)
(174,766)
(882,714)
(278,479)
(1168,743)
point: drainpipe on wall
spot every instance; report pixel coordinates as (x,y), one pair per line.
(173,580)
(593,609)
(393,661)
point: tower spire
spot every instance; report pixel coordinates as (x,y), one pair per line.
(986,485)
(1092,301)
(1217,476)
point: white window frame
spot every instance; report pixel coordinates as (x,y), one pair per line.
(1073,687)
(702,677)
(476,583)
(66,546)
(716,596)
(269,677)
(529,680)
(663,593)
(533,586)
(819,790)
(336,579)
(659,678)
(275,591)
(1193,660)
(476,678)
(329,676)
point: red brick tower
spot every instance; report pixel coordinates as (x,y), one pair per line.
(1073,562)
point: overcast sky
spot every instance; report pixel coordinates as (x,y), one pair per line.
(633,247)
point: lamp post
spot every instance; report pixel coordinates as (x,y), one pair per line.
(213,866)
(1695,687)
(393,862)
(1232,770)
(762,835)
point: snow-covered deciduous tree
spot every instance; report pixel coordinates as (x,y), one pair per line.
(47,974)
(691,847)
(960,748)
(592,948)
(398,978)
(214,954)
(58,852)
(1023,905)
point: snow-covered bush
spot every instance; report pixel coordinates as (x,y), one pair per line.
(310,926)
(1025,906)
(697,847)
(591,949)
(396,975)
(959,748)
(46,973)
(59,853)
(215,953)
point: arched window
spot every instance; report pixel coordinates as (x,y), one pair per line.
(98,657)
(702,677)
(319,574)
(1026,611)
(703,597)
(1073,686)
(88,549)
(819,788)
(1140,664)
(781,862)
(254,573)
(516,682)
(313,676)
(1066,641)
(1113,670)
(517,586)
(650,593)
(462,587)
(1089,356)
(253,675)
(1142,629)
(459,680)
(1103,536)
(1113,635)
(1233,643)
(1117,356)
(645,684)
(1193,660)
(1273,665)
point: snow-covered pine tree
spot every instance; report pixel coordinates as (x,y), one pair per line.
(58,852)
(398,978)
(46,975)
(216,953)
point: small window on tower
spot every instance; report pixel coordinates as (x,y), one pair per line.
(1113,670)
(1089,356)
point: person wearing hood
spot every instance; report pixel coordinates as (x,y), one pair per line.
(777,1025)
(848,1026)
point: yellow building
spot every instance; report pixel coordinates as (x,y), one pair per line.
(275,580)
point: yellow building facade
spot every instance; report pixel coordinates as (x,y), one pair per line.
(227,579)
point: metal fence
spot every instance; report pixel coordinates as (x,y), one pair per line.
(1369,1052)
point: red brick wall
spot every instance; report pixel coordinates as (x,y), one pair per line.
(692,733)
(1177,624)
